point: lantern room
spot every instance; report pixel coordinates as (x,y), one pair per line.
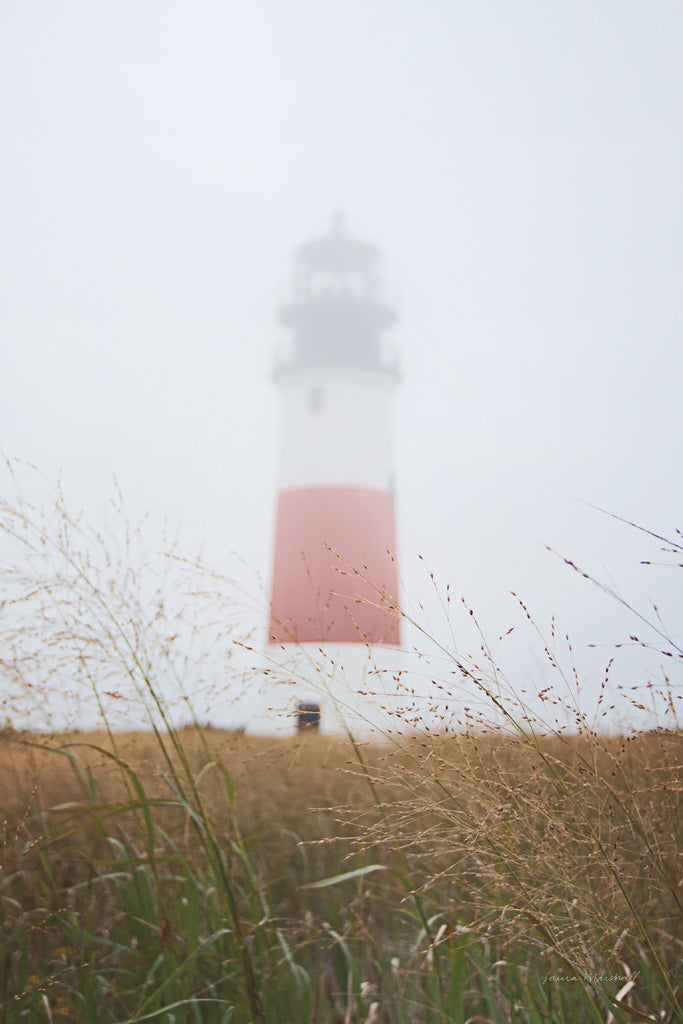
(336,310)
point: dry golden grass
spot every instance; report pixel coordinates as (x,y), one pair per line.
(565,848)
(273,779)
(457,792)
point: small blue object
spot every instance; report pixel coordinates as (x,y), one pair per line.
(308,716)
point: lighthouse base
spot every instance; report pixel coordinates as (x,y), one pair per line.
(355,685)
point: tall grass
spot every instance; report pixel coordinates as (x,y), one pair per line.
(504,870)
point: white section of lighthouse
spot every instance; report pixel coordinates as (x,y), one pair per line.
(335,578)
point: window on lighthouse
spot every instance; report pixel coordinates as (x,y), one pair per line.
(315,400)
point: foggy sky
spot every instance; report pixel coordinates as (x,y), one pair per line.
(520,167)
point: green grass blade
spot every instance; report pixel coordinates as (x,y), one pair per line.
(324,883)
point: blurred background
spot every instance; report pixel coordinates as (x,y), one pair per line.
(520,167)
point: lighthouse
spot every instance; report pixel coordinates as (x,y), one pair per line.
(335,576)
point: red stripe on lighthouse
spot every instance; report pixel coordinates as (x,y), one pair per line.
(333,578)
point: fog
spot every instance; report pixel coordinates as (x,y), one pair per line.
(520,167)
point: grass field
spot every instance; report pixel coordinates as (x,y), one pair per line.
(509,870)
(178,877)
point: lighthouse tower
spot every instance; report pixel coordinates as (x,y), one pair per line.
(335,576)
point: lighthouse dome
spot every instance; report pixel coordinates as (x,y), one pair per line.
(338,266)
